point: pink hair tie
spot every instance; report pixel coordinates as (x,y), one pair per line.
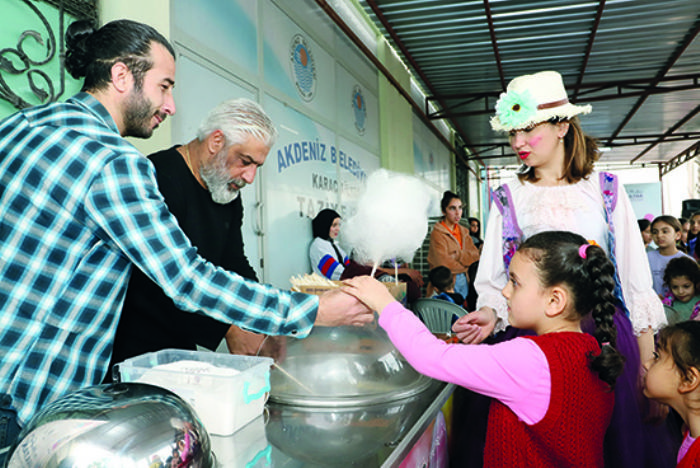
(582,250)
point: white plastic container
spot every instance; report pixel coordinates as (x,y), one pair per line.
(227,391)
(248,447)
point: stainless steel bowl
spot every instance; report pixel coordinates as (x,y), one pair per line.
(340,437)
(126,424)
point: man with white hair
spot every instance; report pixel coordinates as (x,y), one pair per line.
(201,184)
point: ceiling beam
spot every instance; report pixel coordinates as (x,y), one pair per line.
(416,68)
(591,87)
(494,44)
(686,155)
(614,90)
(589,47)
(620,141)
(668,132)
(689,37)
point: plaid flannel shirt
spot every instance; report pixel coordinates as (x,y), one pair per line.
(78,206)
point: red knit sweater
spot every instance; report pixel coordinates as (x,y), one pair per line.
(692,457)
(572,431)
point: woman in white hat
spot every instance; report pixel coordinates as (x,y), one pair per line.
(557,188)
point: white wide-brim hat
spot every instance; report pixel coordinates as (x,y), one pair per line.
(531,99)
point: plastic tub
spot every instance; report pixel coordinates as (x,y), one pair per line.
(226,391)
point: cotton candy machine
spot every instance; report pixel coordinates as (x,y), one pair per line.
(343,367)
(126,424)
(340,395)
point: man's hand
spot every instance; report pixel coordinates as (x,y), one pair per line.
(370,291)
(338,308)
(247,343)
(476,326)
(414,274)
(243,342)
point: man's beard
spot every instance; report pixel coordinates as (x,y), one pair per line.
(215,175)
(138,114)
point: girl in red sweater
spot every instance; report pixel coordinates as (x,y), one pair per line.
(673,378)
(552,393)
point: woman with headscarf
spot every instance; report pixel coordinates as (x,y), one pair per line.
(327,258)
(475,232)
(330,260)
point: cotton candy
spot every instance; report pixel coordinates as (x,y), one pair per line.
(391,221)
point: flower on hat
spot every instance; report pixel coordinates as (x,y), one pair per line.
(515,108)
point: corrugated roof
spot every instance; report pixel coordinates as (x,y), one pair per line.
(637,62)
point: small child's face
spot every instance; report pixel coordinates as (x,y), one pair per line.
(685,227)
(661,379)
(646,235)
(682,288)
(695,225)
(525,296)
(664,234)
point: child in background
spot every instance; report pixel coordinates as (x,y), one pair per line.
(673,378)
(693,231)
(666,231)
(645,230)
(443,281)
(682,302)
(683,241)
(553,399)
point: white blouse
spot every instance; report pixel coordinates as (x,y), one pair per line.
(578,208)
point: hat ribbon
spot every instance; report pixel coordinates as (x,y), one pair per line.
(549,105)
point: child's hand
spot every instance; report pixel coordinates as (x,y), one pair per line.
(374,294)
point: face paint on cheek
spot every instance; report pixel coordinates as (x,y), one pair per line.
(534,141)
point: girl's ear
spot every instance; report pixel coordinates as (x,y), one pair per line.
(690,382)
(558,301)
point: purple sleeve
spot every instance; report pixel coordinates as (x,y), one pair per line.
(515,372)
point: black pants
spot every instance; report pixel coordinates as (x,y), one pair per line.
(9,428)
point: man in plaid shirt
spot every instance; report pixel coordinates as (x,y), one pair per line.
(80,207)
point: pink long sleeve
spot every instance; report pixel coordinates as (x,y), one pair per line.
(515,372)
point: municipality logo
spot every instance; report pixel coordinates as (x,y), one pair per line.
(359,109)
(303,67)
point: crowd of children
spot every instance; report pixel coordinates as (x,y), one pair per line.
(666,233)
(672,377)
(674,266)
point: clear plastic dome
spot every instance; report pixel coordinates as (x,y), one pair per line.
(343,366)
